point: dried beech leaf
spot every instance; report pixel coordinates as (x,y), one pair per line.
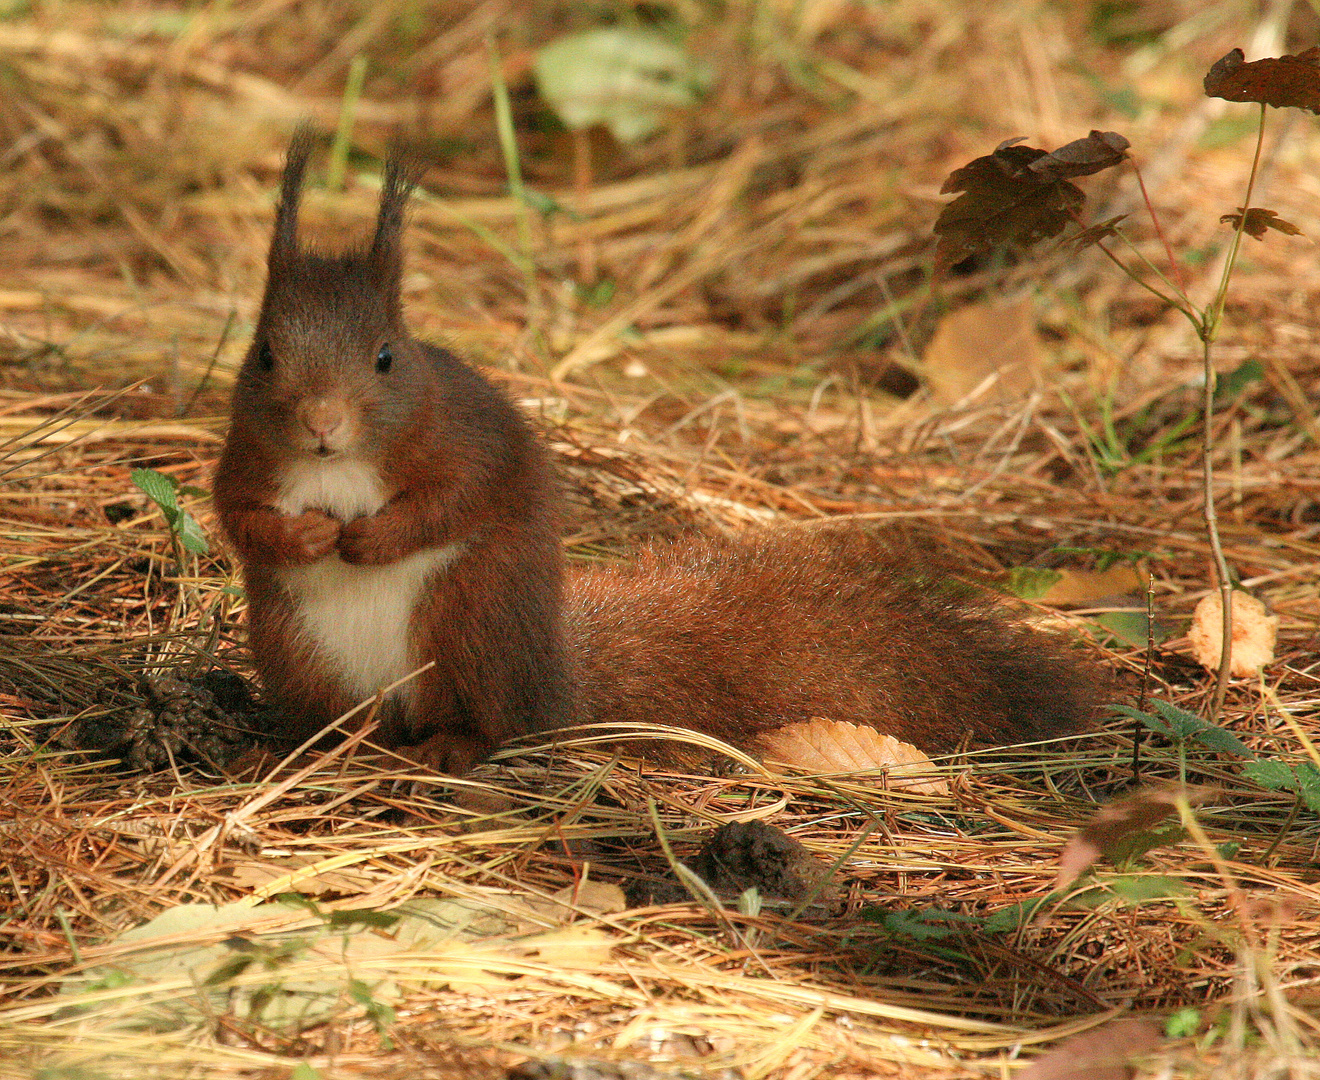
(978,340)
(1259,221)
(1254,633)
(1082,157)
(1282,81)
(1121,828)
(835,746)
(1099,1054)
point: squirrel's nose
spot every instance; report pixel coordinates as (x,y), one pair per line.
(326,418)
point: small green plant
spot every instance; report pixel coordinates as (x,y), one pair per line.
(1302,779)
(164,491)
(1182,728)
(1019,195)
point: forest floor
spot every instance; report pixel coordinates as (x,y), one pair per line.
(730,323)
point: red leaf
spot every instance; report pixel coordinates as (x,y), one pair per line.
(1282,81)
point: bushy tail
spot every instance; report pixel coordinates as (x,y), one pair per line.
(735,638)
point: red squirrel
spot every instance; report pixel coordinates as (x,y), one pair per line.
(392,508)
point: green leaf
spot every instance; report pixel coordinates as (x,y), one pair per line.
(1031,582)
(1128,627)
(548,206)
(1183,1024)
(1275,775)
(929,924)
(1183,722)
(160,489)
(303,1071)
(1308,785)
(1180,725)
(1302,779)
(626,78)
(191,535)
(1223,740)
(377,920)
(1014,917)
(1231,384)
(1146,888)
(1151,722)
(164,492)
(1206,733)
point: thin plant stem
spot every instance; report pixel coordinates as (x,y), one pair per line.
(1212,532)
(1174,264)
(1209,329)
(1179,299)
(1216,310)
(1171,301)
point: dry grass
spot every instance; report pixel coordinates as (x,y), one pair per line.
(767,258)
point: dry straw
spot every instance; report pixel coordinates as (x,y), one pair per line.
(765,257)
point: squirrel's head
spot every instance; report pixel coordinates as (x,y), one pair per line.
(332,368)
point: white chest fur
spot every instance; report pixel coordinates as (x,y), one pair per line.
(360,617)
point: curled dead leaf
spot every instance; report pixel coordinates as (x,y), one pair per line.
(1082,157)
(1254,633)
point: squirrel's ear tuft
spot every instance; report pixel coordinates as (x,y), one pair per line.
(284,244)
(402,172)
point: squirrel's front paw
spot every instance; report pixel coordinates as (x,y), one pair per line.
(367,541)
(310,536)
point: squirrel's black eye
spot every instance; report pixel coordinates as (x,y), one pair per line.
(265,357)
(384,358)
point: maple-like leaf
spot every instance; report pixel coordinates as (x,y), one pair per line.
(1019,195)
(1281,81)
(1082,157)
(1259,221)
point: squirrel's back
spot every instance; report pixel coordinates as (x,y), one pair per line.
(737,637)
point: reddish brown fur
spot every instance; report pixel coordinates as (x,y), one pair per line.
(777,627)
(456,463)
(422,458)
